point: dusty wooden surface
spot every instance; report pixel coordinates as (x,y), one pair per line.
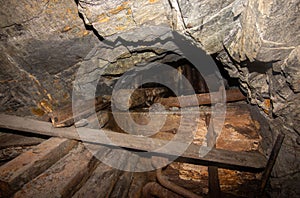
(65,116)
(101,182)
(7,154)
(202,99)
(31,163)
(13,140)
(239,134)
(218,157)
(63,178)
(215,156)
(137,97)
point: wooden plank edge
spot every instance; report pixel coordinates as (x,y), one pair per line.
(19,171)
(218,157)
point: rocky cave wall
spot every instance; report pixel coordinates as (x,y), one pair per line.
(43,43)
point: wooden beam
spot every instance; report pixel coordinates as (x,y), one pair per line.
(64,116)
(203,99)
(30,164)
(14,140)
(62,179)
(213,174)
(101,182)
(253,161)
(138,97)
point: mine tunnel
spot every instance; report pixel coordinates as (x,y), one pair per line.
(149,98)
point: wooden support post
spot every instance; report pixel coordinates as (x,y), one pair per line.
(213,175)
(271,161)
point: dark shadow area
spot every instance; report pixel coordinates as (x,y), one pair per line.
(232,82)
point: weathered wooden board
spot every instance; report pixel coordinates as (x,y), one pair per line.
(206,98)
(63,178)
(101,182)
(13,140)
(238,132)
(122,185)
(217,157)
(128,98)
(28,165)
(7,154)
(139,180)
(65,116)
(105,180)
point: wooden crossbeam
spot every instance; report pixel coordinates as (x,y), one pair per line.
(251,161)
(205,98)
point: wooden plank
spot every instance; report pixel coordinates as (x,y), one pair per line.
(10,153)
(122,185)
(138,97)
(239,131)
(63,178)
(64,116)
(203,99)
(217,157)
(28,165)
(13,140)
(136,187)
(101,182)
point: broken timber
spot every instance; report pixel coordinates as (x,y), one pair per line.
(252,161)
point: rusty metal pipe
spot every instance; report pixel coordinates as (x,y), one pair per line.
(153,189)
(173,187)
